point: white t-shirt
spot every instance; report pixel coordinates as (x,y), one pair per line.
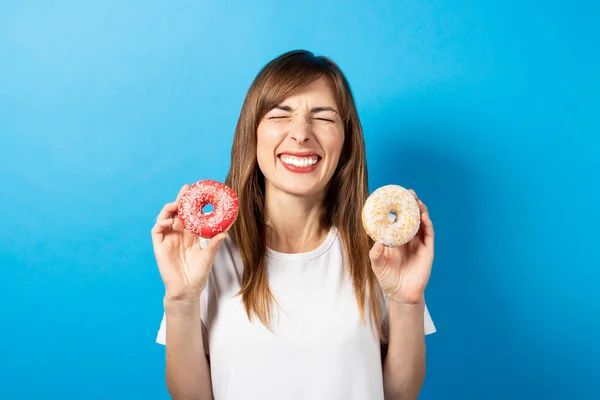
(319,348)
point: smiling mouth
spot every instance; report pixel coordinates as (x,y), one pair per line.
(299,163)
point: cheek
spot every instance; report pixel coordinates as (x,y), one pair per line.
(333,141)
(266,141)
(261,149)
(268,136)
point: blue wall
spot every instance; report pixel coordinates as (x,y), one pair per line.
(490,110)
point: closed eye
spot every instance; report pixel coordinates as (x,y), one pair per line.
(325,119)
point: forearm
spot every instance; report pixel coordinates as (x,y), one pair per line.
(188,371)
(404,365)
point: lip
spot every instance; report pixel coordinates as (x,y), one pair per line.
(297,169)
(299,153)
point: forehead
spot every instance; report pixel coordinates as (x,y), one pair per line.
(319,91)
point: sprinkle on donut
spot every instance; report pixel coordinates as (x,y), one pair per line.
(376,215)
(220,196)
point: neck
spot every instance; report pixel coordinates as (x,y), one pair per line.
(293,222)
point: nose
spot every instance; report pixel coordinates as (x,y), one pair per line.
(301,131)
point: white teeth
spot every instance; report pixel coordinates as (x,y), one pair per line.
(299,161)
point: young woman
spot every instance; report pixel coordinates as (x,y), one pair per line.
(295,301)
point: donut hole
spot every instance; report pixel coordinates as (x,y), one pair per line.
(207,209)
(392,217)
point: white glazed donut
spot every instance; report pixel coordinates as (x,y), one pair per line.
(379,220)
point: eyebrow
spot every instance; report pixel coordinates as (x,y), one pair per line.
(312,110)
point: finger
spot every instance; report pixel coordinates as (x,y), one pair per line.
(428,232)
(189,238)
(183,189)
(163,220)
(213,246)
(414,194)
(422,208)
(422,211)
(377,256)
(177,224)
(216,240)
(167,211)
(157,234)
(165,223)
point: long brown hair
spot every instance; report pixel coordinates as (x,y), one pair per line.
(345,194)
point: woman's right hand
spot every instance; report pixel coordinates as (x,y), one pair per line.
(184,266)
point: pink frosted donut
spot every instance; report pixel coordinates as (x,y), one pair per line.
(220,196)
(391,215)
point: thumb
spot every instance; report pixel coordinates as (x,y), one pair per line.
(213,246)
(376,255)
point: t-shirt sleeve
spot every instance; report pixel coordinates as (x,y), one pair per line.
(428,325)
(162,330)
(428,322)
(161,336)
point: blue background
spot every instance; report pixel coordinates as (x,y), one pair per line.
(489,110)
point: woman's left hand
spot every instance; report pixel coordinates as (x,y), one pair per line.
(403,272)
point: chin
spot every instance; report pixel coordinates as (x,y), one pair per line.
(302,189)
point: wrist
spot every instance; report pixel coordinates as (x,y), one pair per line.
(406,311)
(413,302)
(182,305)
(178,293)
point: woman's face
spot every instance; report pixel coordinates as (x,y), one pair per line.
(300,141)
